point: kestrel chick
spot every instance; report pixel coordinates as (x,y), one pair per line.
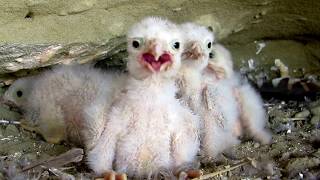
(148,131)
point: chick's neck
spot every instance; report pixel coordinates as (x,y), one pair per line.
(154,82)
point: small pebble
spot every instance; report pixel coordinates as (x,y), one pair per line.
(11,130)
(256,145)
(317,154)
(314,103)
(302,114)
(316,110)
(301,175)
(315,120)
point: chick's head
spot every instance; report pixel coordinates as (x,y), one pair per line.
(17,94)
(221,59)
(198,45)
(154,47)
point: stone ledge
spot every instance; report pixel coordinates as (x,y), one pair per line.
(15,57)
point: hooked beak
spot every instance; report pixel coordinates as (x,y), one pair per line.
(194,51)
(154,48)
(12,105)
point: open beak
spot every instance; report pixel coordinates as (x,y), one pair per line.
(12,105)
(155,58)
(194,51)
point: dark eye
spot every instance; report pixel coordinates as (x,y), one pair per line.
(19,93)
(209,45)
(176,45)
(135,44)
(211,55)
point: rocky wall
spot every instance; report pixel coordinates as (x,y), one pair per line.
(38,33)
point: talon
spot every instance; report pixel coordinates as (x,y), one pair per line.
(192,173)
(183,175)
(121,176)
(114,176)
(110,175)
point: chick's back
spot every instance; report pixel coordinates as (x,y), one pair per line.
(60,99)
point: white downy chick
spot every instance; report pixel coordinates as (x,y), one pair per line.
(214,102)
(198,45)
(148,131)
(66,103)
(17,93)
(252,113)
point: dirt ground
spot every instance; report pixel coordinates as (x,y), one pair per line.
(294,153)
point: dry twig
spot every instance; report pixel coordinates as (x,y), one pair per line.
(73,155)
(295,119)
(211,175)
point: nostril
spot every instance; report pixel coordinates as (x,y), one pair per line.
(164,58)
(148,57)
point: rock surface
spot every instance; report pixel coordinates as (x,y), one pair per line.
(31,28)
(316,110)
(14,57)
(60,21)
(302,114)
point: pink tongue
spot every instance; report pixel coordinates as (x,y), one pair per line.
(156,65)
